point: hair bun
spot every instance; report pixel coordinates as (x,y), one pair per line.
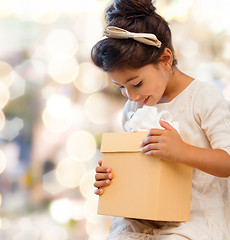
(130,9)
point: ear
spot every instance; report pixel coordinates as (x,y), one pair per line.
(166,59)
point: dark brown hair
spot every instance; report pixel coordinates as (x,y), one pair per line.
(135,16)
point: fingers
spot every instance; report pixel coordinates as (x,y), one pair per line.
(150,149)
(153,153)
(102,169)
(155,132)
(99,191)
(102,183)
(150,145)
(103,178)
(166,125)
(149,140)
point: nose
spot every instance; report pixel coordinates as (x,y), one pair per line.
(131,95)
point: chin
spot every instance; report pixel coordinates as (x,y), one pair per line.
(150,103)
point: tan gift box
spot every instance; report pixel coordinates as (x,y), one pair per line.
(143,187)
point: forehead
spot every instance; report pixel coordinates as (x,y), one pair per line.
(125,75)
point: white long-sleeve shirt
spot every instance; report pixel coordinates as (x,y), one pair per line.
(204,121)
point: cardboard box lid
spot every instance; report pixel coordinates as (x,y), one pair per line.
(122,142)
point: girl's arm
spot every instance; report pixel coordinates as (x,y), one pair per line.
(167,144)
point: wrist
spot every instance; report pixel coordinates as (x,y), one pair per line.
(184,153)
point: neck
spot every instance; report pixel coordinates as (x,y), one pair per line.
(178,81)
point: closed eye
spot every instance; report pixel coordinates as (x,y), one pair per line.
(138,85)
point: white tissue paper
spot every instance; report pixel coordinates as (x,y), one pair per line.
(146,118)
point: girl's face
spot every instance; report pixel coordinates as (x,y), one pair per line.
(146,85)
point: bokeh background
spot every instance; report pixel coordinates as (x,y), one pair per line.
(55,105)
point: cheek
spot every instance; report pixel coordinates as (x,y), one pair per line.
(155,90)
(150,90)
(158,87)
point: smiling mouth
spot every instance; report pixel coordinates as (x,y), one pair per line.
(144,101)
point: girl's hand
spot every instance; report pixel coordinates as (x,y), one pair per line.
(165,144)
(103,178)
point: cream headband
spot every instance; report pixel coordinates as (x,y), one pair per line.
(146,38)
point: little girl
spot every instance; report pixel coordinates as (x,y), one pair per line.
(137,54)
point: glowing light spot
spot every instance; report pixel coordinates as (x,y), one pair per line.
(48,91)
(5,223)
(90,79)
(56,124)
(41,12)
(78,211)
(63,70)
(57,106)
(61,210)
(78,115)
(61,41)
(47,17)
(12,128)
(98,234)
(18,88)
(97,108)
(37,9)
(2,161)
(78,6)
(86,186)
(27,229)
(90,209)
(19,8)
(69,173)
(81,146)
(5,8)
(2,120)
(7,75)
(32,70)
(57,233)
(4,95)
(175,10)
(98,231)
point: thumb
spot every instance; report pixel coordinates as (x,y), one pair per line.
(166,126)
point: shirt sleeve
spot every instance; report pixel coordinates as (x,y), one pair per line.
(213,114)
